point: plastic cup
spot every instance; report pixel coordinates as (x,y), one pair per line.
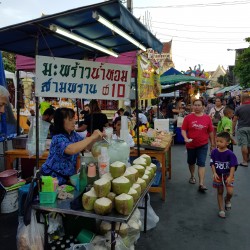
(85,236)
(91,170)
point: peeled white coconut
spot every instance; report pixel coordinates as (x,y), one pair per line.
(103,206)
(137,187)
(88,199)
(117,169)
(151,170)
(146,178)
(152,165)
(121,229)
(149,173)
(121,185)
(134,194)
(105,227)
(112,196)
(140,161)
(140,169)
(102,187)
(147,157)
(132,174)
(107,176)
(142,183)
(124,204)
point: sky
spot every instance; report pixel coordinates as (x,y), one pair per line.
(204,33)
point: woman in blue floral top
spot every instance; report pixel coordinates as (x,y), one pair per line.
(65,146)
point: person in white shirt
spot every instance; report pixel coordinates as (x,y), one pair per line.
(117,128)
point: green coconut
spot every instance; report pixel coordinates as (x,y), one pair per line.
(142,183)
(137,187)
(103,206)
(117,169)
(151,170)
(140,169)
(107,176)
(149,173)
(140,161)
(88,199)
(121,185)
(132,174)
(147,157)
(134,194)
(112,196)
(152,165)
(121,229)
(124,204)
(146,178)
(102,187)
(105,227)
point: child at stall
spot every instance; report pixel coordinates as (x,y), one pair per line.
(224,163)
(117,129)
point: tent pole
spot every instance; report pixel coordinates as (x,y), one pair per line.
(18,89)
(137,113)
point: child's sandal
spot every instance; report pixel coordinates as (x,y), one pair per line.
(228,205)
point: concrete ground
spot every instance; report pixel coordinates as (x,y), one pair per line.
(188,219)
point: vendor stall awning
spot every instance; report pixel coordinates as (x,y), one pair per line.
(229,88)
(22,38)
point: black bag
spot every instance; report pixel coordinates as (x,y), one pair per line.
(216,117)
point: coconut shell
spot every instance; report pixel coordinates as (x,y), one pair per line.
(132,174)
(88,199)
(117,169)
(142,183)
(105,227)
(102,187)
(107,176)
(147,157)
(137,187)
(146,178)
(151,170)
(152,165)
(103,206)
(121,229)
(140,161)
(140,170)
(124,204)
(134,194)
(112,196)
(121,185)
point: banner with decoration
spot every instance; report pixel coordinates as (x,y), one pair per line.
(148,79)
(60,77)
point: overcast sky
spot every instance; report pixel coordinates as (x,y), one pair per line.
(201,33)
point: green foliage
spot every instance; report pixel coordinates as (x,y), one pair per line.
(9,61)
(242,67)
(223,80)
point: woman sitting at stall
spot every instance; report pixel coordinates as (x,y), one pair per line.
(65,146)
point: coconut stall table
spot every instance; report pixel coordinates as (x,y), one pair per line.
(64,207)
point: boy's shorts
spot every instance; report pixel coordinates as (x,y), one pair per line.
(222,181)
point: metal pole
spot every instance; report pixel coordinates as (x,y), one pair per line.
(37,115)
(137,113)
(18,101)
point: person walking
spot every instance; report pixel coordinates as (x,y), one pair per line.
(223,163)
(242,116)
(196,129)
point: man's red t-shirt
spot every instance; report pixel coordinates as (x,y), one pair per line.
(198,129)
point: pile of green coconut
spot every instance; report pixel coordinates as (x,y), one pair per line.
(121,187)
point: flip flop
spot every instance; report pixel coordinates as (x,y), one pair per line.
(192,180)
(243,165)
(228,205)
(202,189)
(222,214)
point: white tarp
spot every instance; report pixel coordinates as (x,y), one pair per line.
(60,77)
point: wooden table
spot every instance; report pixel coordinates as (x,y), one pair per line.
(166,165)
(12,155)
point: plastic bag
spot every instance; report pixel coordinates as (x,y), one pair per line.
(43,133)
(152,218)
(55,224)
(32,236)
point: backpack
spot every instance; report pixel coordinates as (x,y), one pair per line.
(217,117)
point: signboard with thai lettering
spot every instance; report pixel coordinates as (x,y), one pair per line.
(60,77)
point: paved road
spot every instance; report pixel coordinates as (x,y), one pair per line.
(188,219)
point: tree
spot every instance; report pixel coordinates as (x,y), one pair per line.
(9,61)
(242,67)
(223,80)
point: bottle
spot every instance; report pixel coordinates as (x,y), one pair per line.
(83,178)
(91,174)
(103,161)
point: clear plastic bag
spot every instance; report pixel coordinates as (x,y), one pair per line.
(152,218)
(32,236)
(43,133)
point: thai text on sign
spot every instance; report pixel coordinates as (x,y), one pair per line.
(60,77)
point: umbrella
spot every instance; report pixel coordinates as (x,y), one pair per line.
(172,79)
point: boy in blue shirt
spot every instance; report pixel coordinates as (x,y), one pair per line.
(223,163)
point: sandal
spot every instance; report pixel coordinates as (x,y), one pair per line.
(243,165)
(192,180)
(202,189)
(228,205)
(222,214)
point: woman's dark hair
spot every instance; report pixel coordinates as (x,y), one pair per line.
(199,100)
(94,107)
(59,116)
(224,135)
(117,119)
